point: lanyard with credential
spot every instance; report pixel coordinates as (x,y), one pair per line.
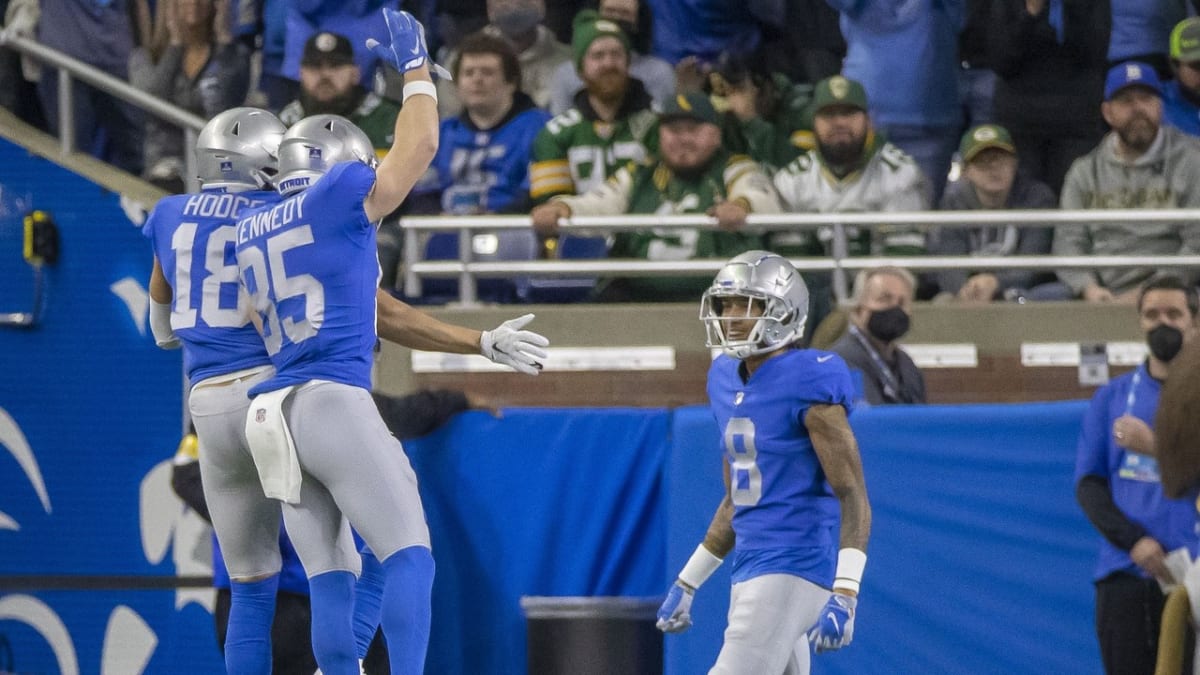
(891,388)
(1131,398)
(1137,466)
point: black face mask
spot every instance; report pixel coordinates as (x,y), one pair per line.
(1165,342)
(627,27)
(888,324)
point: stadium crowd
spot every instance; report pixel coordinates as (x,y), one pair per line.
(698,106)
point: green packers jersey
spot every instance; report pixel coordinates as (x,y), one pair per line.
(576,151)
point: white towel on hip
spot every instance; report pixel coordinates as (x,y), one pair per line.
(272,448)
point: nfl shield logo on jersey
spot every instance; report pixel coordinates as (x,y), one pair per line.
(737,399)
(260,415)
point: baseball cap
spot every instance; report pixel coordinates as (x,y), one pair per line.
(1185,40)
(984,136)
(693,106)
(327,48)
(838,90)
(1131,74)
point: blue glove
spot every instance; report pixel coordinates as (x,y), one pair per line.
(835,628)
(407,50)
(674,616)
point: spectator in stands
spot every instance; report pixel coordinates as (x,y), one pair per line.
(1140,31)
(482,162)
(976,79)
(990,181)
(611,123)
(195,63)
(277,88)
(357,21)
(880,315)
(538,51)
(1117,484)
(807,46)
(851,169)
(1181,96)
(1140,164)
(772,114)
(19,75)
(1051,67)
(658,76)
(330,83)
(694,175)
(905,55)
(101,33)
(694,32)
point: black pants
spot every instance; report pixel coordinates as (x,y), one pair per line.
(291,632)
(1128,617)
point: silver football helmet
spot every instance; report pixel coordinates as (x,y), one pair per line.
(238,149)
(772,281)
(314,145)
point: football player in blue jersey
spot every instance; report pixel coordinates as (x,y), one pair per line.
(320,446)
(792,473)
(196,299)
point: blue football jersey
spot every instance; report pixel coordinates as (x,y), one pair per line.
(310,266)
(487,171)
(786,517)
(193,238)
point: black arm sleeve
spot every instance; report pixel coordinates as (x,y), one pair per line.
(185,481)
(420,413)
(1094,495)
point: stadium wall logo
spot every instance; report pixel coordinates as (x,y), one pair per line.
(136,298)
(38,615)
(13,438)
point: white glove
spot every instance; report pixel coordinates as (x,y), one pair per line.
(835,628)
(675,614)
(510,346)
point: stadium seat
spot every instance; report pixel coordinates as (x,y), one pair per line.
(485,247)
(568,289)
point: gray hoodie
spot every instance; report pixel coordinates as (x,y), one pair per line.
(1166,176)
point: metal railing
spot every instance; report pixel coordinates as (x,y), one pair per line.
(70,69)
(467,269)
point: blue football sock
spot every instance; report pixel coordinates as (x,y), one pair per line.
(368,601)
(248,639)
(407,607)
(332,597)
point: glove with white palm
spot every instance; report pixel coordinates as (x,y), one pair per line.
(407,50)
(675,614)
(835,628)
(508,345)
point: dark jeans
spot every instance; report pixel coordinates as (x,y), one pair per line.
(105,126)
(1128,616)
(1047,157)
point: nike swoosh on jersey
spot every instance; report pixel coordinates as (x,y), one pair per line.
(823,359)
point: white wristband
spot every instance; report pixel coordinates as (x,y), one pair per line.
(850,565)
(160,325)
(699,567)
(419,88)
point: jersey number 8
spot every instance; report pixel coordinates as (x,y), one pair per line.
(744,475)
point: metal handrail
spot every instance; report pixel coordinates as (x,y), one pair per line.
(69,67)
(467,269)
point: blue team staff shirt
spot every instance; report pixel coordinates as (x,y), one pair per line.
(786,517)
(193,239)
(1132,477)
(310,264)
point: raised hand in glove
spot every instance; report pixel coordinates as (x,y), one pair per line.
(508,345)
(835,628)
(674,616)
(407,50)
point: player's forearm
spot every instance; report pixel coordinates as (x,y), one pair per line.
(719,539)
(415,144)
(856,518)
(405,325)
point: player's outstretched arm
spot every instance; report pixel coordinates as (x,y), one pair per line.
(837,451)
(416,131)
(674,615)
(507,344)
(160,309)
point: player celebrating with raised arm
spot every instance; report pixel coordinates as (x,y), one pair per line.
(310,266)
(792,466)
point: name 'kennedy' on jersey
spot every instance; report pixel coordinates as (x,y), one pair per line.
(264,222)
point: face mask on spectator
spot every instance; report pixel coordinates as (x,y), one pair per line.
(516,23)
(888,324)
(1164,342)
